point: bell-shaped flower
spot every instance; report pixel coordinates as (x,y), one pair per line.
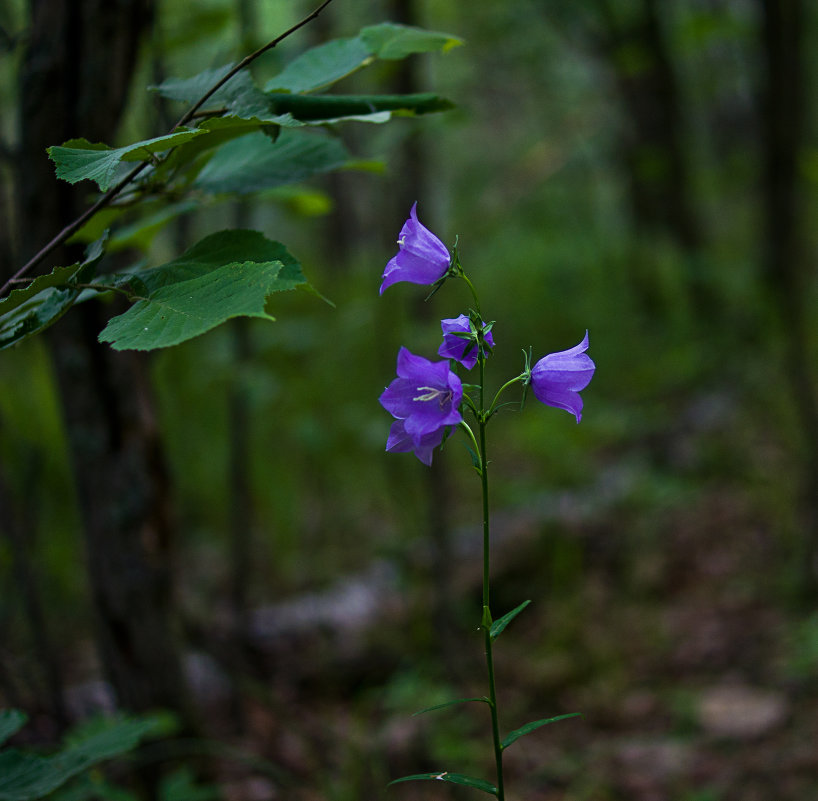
(558,378)
(461,348)
(421,259)
(425,399)
(401,442)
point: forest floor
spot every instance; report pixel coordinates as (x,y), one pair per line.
(694,680)
(670,630)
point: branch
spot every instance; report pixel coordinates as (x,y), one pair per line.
(103,201)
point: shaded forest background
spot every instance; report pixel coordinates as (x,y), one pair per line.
(215,530)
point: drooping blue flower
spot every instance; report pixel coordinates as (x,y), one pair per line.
(459,348)
(558,378)
(425,399)
(421,259)
(399,441)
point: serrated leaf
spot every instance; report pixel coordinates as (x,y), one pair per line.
(529,727)
(254,162)
(11,721)
(228,274)
(41,303)
(391,41)
(25,776)
(450,703)
(499,625)
(453,778)
(79,159)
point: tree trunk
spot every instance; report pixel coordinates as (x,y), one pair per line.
(75,77)
(785,112)
(651,145)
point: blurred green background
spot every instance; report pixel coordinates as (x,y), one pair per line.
(645,170)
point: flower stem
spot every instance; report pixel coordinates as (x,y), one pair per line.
(473,291)
(486,616)
(500,391)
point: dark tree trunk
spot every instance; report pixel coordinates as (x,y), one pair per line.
(785,111)
(75,77)
(651,146)
(17,526)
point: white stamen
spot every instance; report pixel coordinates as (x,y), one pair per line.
(443,395)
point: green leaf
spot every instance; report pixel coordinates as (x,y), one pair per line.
(325,64)
(393,42)
(25,776)
(228,274)
(11,721)
(189,90)
(140,234)
(30,310)
(499,625)
(529,727)
(317,109)
(254,162)
(321,66)
(450,703)
(453,778)
(79,159)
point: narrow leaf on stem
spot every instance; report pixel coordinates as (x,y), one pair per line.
(449,703)
(453,778)
(499,625)
(529,727)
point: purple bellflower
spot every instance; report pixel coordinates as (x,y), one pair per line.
(558,378)
(421,259)
(424,399)
(459,348)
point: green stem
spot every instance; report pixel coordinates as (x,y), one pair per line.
(473,291)
(486,618)
(500,391)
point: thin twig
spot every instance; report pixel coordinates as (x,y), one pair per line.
(103,201)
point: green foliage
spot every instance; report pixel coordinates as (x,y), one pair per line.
(28,311)
(244,140)
(228,274)
(11,721)
(253,163)
(452,778)
(451,703)
(536,724)
(25,775)
(498,626)
(79,159)
(324,65)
